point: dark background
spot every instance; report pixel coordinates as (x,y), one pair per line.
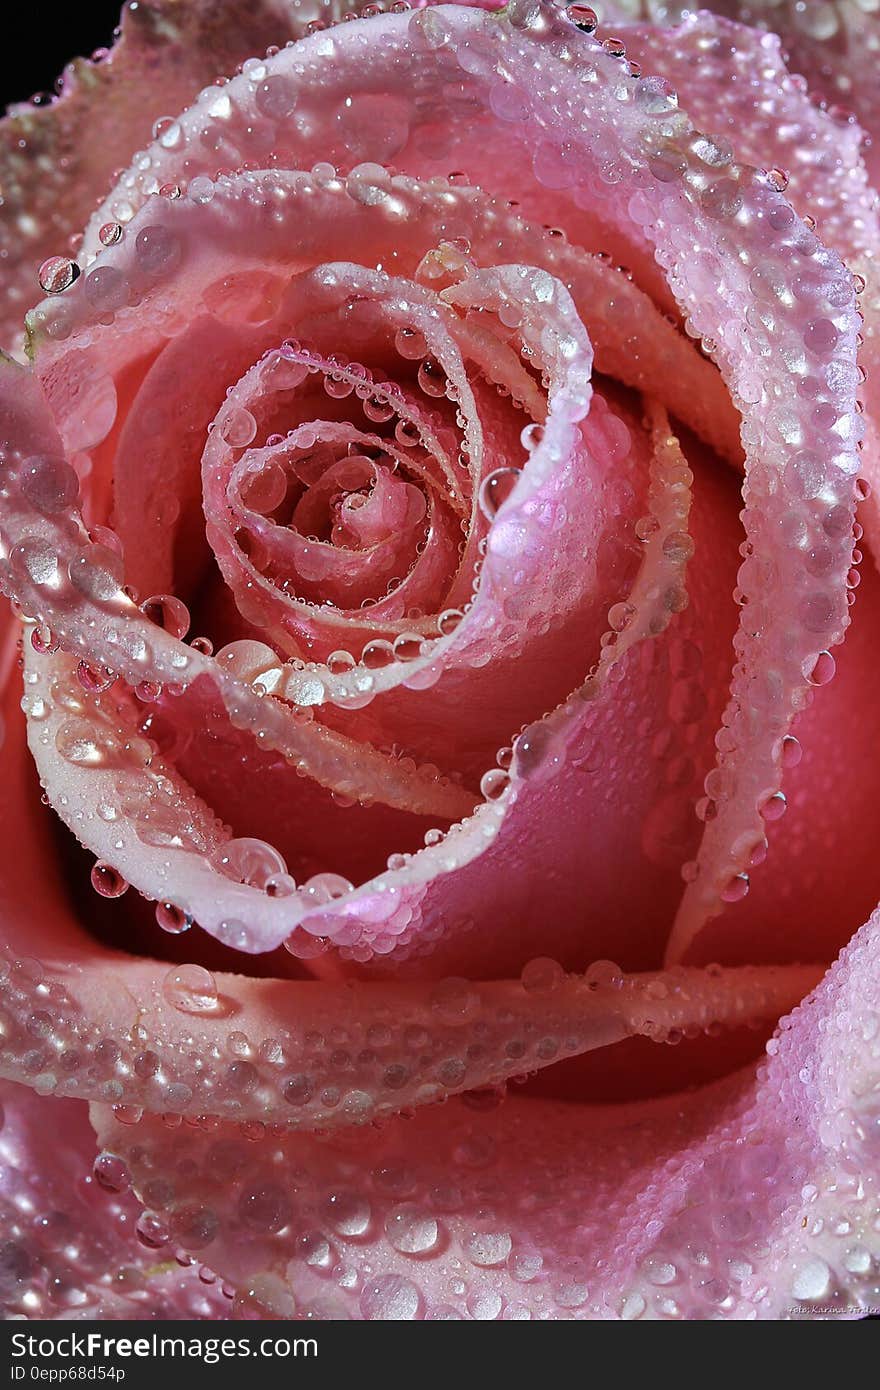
(45,37)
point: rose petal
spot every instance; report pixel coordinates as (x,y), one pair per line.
(68,1248)
(747,1198)
(834,45)
(56,160)
(736,85)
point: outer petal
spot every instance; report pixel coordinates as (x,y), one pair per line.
(735,83)
(68,1248)
(57,160)
(756,1197)
(834,45)
(80,1019)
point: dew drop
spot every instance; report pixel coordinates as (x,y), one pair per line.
(97,573)
(107,881)
(152,1231)
(77,743)
(111,1172)
(411,1230)
(190,989)
(348,1213)
(583,18)
(410,343)
(251,861)
(823,669)
(238,428)
(57,274)
(449,620)
(495,490)
(487,1248)
(431,378)
(167,612)
(494,783)
(49,484)
(774,807)
(735,889)
(542,975)
(172,919)
(390,1298)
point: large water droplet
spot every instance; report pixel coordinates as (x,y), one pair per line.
(248,860)
(190,989)
(495,490)
(107,881)
(111,1172)
(348,1213)
(411,1230)
(390,1298)
(57,274)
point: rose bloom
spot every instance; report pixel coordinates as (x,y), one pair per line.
(439,801)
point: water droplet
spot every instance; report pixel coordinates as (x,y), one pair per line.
(195,1227)
(432,378)
(49,484)
(348,1213)
(377,654)
(411,1230)
(494,783)
(111,1172)
(735,889)
(487,1248)
(57,274)
(172,919)
(251,861)
(157,249)
(276,97)
(812,1281)
(390,1298)
(167,612)
(455,1001)
(264,1207)
(190,989)
(583,18)
(152,1231)
(410,343)
(823,669)
(495,490)
(774,807)
(541,975)
(238,428)
(97,573)
(448,621)
(94,679)
(107,881)
(77,742)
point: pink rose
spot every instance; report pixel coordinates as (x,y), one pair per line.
(418,613)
